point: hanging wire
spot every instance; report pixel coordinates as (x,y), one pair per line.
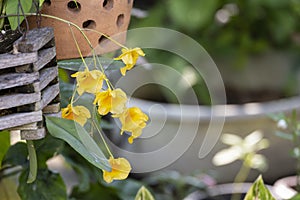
(38,16)
(19,21)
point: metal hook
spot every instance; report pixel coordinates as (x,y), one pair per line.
(38,13)
(19,23)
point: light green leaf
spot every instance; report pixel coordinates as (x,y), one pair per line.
(41,2)
(258,191)
(13,9)
(284,135)
(32,162)
(4,144)
(8,189)
(76,136)
(143,194)
(296,197)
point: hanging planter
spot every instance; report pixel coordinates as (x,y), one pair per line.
(29,84)
(109,17)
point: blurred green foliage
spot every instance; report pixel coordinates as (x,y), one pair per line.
(230,27)
(231,31)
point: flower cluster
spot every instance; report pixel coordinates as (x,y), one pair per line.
(110,100)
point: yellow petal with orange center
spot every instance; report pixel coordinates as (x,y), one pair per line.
(120,169)
(79,114)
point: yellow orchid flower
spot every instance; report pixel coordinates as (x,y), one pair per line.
(79,114)
(113,101)
(129,58)
(89,81)
(133,120)
(120,169)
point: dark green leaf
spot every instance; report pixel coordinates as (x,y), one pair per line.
(78,139)
(97,191)
(143,194)
(48,186)
(75,64)
(82,173)
(4,144)
(127,189)
(47,148)
(258,191)
(16,155)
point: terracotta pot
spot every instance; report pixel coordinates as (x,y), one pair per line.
(106,16)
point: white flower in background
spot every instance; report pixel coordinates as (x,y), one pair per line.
(282,124)
(243,149)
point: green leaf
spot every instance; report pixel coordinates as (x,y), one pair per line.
(48,186)
(16,155)
(4,144)
(47,148)
(76,136)
(284,135)
(97,191)
(12,8)
(143,194)
(258,191)
(75,64)
(32,162)
(8,189)
(296,197)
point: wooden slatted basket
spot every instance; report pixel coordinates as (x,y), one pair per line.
(29,84)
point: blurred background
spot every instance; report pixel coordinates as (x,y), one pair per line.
(254,43)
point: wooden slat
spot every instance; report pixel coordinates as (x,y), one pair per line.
(11,60)
(52,108)
(14,100)
(17,79)
(31,126)
(44,57)
(47,75)
(19,119)
(35,39)
(49,94)
(33,134)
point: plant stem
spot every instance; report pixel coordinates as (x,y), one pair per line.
(78,48)
(240,178)
(100,33)
(100,133)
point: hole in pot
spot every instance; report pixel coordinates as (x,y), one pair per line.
(72,6)
(91,24)
(103,41)
(129,1)
(108,4)
(120,20)
(47,3)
